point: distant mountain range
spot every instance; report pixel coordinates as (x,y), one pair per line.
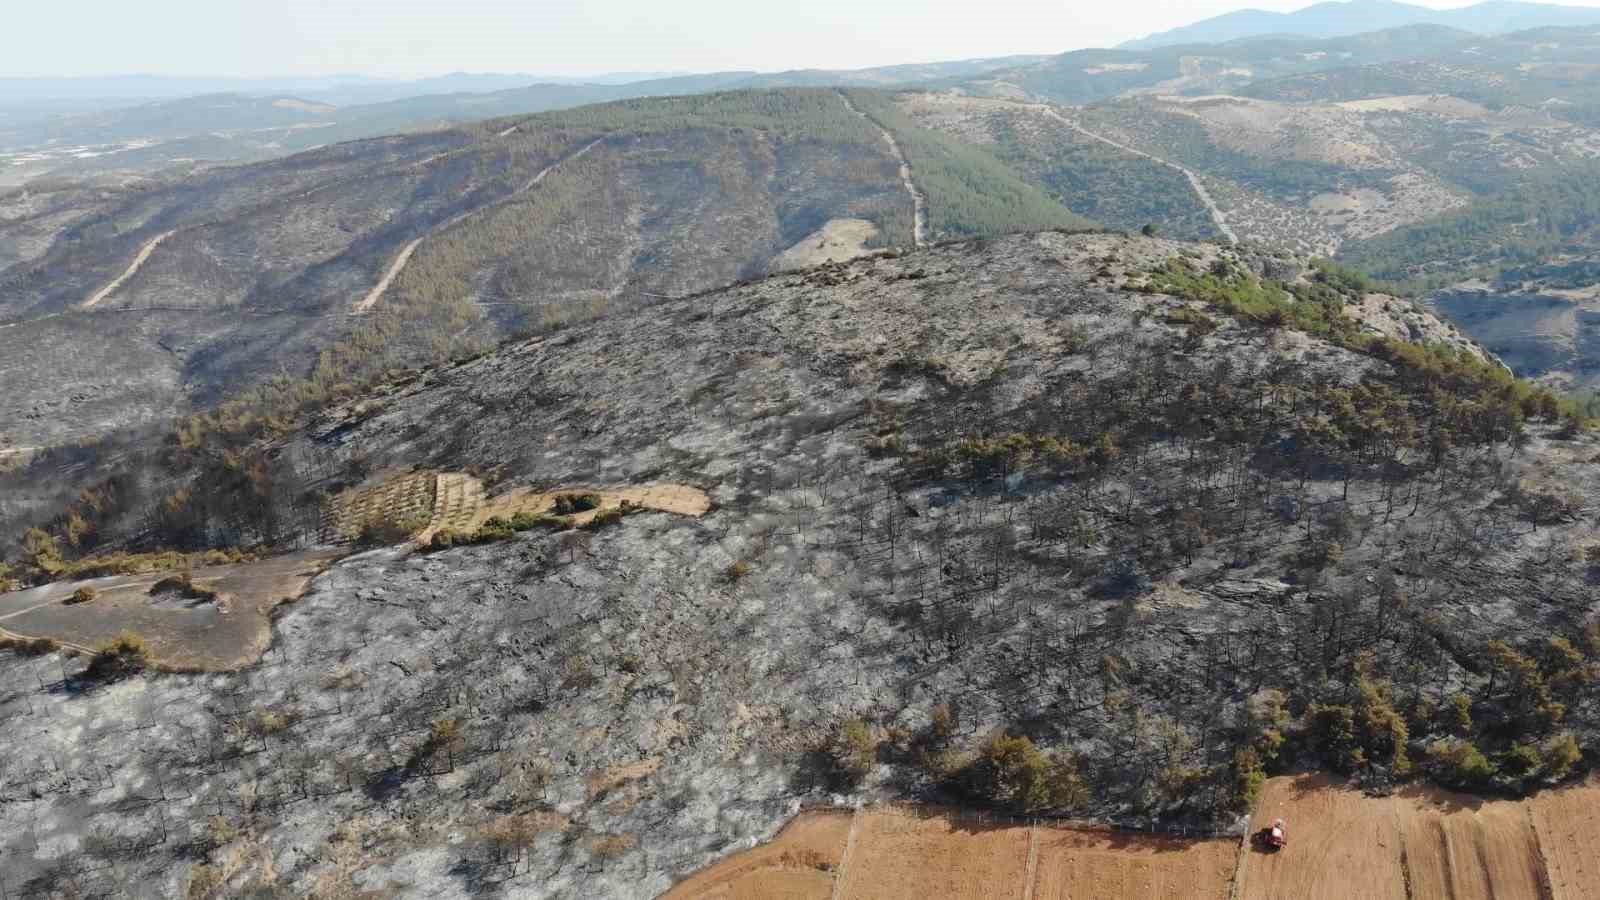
(1341,19)
(339,90)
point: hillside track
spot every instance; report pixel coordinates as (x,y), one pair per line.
(404,256)
(132,270)
(919,200)
(1217,217)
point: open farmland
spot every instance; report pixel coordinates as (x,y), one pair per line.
(1073,864)
(1468,849)
(900,852)
(799,865)
(222,623)
(1417,844)
(1341,844)
(1566,823)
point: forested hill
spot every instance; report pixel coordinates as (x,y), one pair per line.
(349,260)
(1511,235)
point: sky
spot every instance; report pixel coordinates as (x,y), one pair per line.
(411,38)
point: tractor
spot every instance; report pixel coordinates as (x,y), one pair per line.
(1272,839)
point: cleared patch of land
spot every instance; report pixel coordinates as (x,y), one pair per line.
(1073,864)
(837,241)
(800,864)
(224,625)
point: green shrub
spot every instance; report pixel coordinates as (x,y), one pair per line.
(1459,763)
(384,532)
(183,585)
(854,751)
(1456,712)
(1561,753)
(37,646)
(81,595)
(1520,761)
(1246,779)
(122,656)
(528,521)
(1012,772)
(606,517)
(570,504)
(1332,731)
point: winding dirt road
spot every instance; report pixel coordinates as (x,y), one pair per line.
(404,256)
(919,202)
(133,269)
(1200,191)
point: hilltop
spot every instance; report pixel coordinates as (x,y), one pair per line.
(1347,17)
(1177,514)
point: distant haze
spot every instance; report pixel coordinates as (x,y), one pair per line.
(574,38)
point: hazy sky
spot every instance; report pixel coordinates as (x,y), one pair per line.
(563,37)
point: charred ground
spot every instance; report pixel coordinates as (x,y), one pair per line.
(1146,521)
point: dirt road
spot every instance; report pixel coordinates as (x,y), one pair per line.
(404,256)
(133,268)
(1200,191)
(919,202)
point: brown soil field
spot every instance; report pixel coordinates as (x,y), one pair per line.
(1342,844)
(224,634)
(1085,864)
(1567,822)
(791,867)
(898,854)
(1464,848)
(1417,844)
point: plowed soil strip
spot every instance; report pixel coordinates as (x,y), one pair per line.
(1074,864)
(1567,822)
(1467,849)
(133,269)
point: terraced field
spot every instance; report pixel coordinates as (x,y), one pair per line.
(424,503)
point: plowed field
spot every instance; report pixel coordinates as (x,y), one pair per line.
(1081,864)
(1342,845)
(902,855)
(798,865)
(1567,822)
(1417,844)
(1465,849)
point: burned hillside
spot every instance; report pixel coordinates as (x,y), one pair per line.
(1058,524)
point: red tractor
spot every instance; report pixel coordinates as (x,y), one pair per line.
(1274,838)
